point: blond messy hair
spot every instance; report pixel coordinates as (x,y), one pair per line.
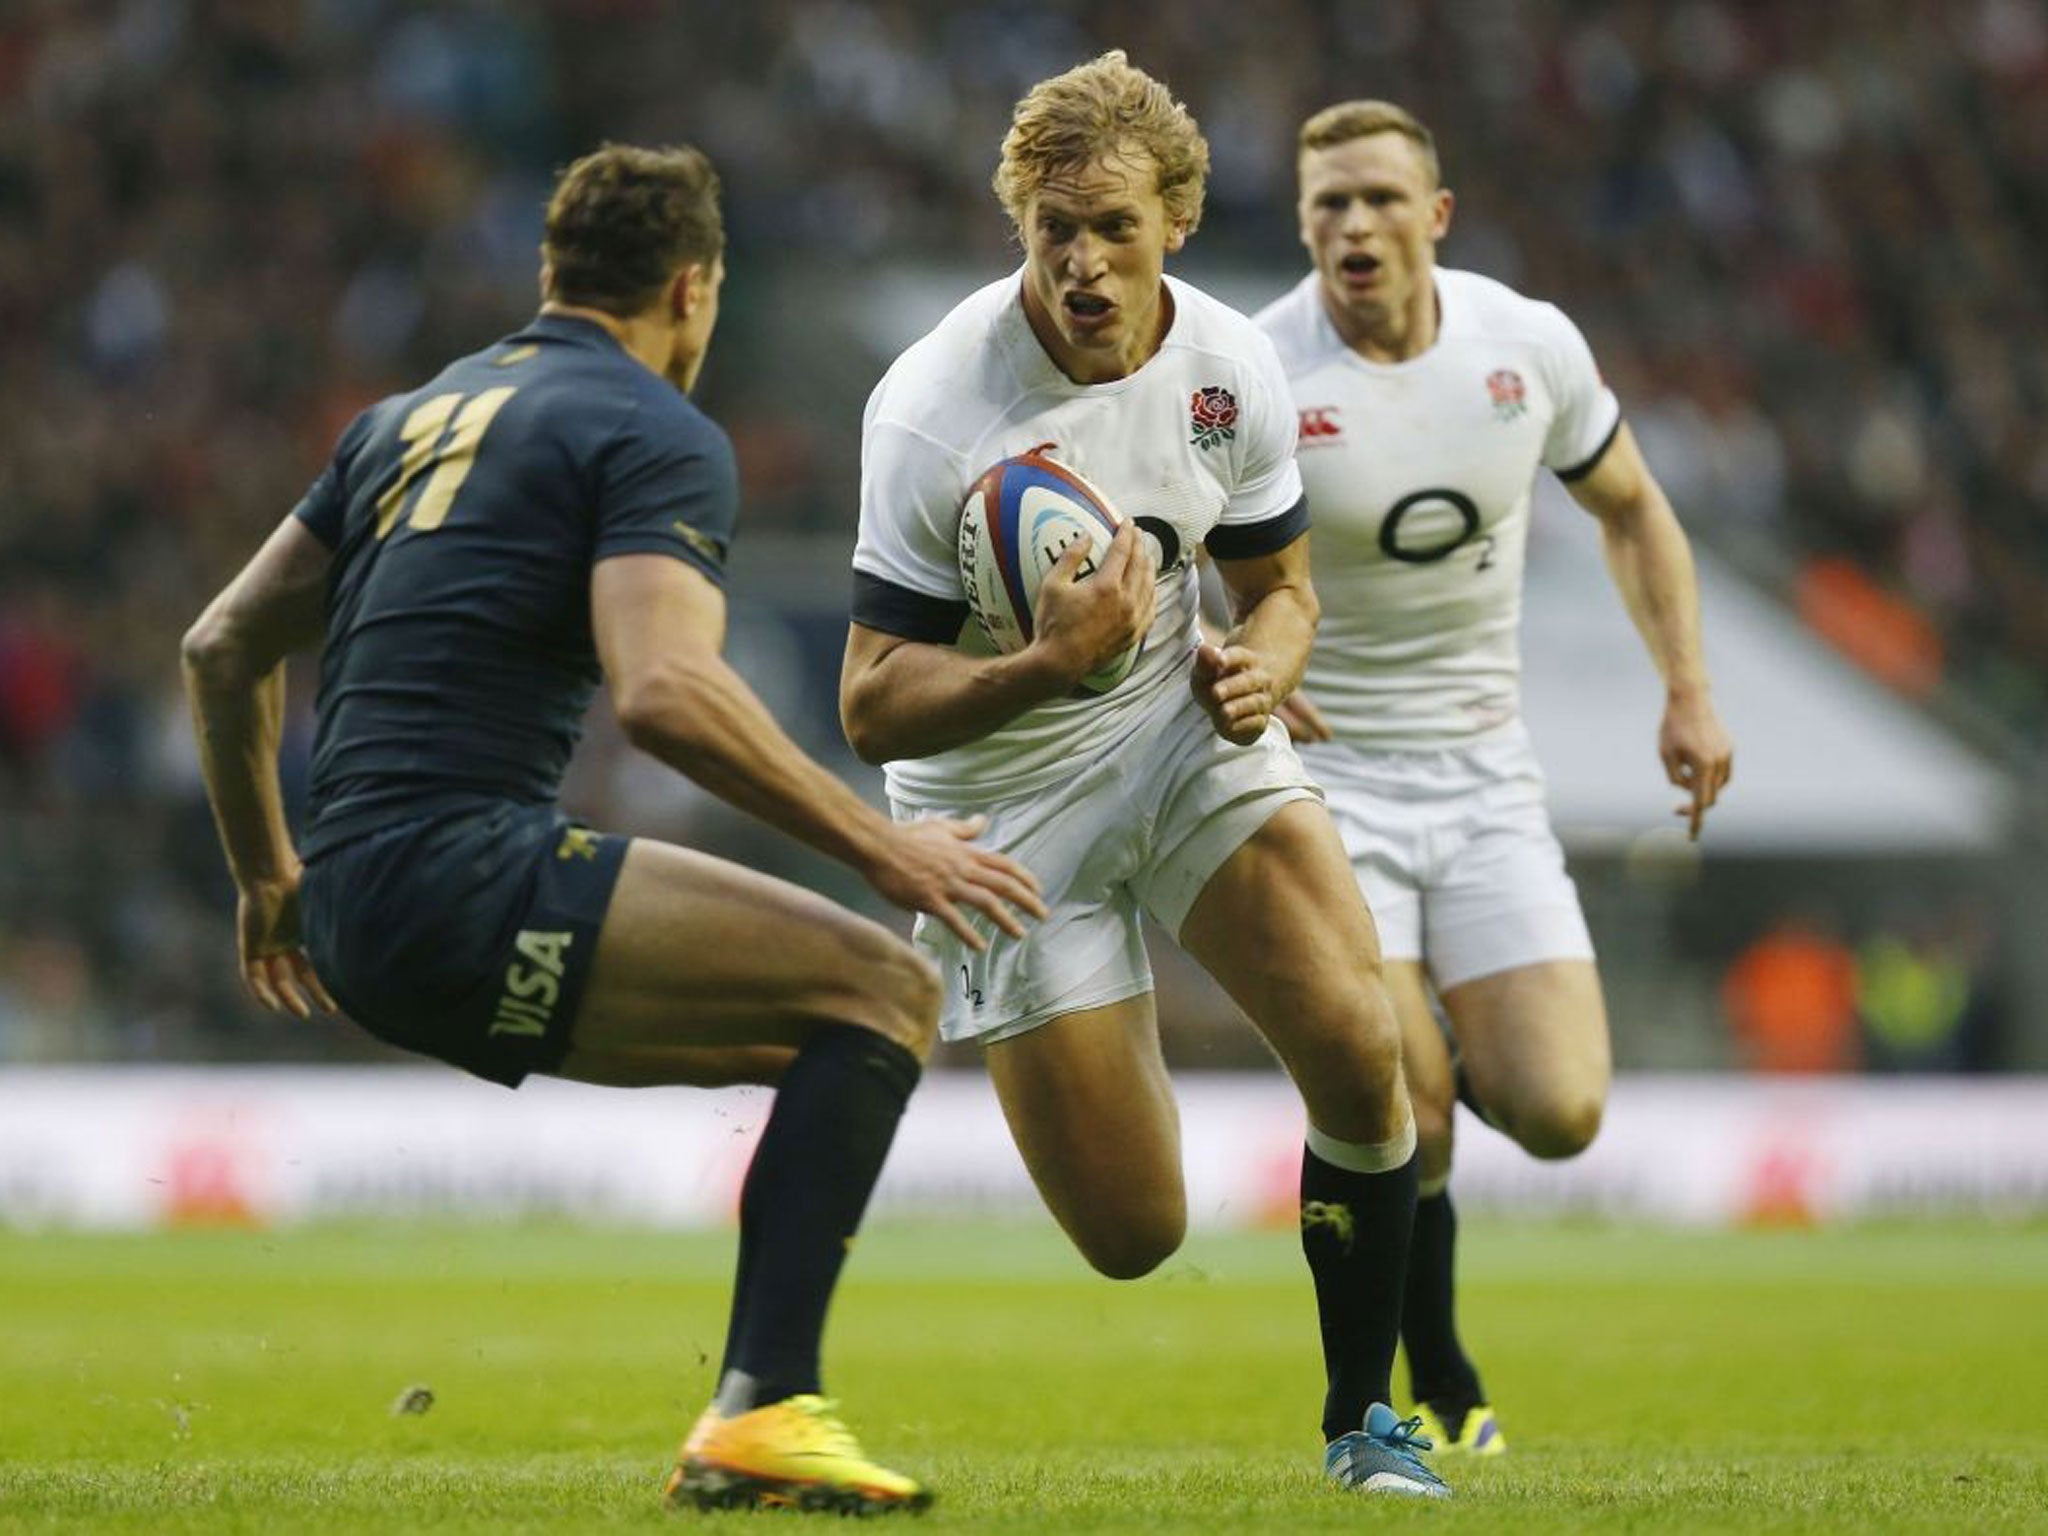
(1349,120)
(1107,106)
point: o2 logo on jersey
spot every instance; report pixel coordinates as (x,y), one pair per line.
(1426,526)
(1164,542)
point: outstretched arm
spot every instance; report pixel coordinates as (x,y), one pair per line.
(233,660)
(1653,568)
(660,625)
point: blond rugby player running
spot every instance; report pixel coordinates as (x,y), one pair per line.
(1176,793)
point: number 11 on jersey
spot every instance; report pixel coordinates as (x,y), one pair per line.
(451,451)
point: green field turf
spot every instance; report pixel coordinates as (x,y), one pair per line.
(1891,1379)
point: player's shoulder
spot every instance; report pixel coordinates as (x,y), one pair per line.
(958,372)
(1492,309)
(653,415)
(1205,325)
(595,387)
(1296,326)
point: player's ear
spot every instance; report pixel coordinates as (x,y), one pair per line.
(1176,235)
(547,276)
(685,291)
(1440,213)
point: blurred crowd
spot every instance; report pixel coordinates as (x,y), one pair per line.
(1918,990)
(1809,245)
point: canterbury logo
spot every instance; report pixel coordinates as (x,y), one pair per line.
(1332,1216)
(1319,424)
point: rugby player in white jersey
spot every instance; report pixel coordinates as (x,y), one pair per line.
(1428,400)
(1176,793)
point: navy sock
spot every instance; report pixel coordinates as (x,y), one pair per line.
(1354,1233)
(1439,1371)
(835,1115)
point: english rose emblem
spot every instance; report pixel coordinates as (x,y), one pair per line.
(1212,413)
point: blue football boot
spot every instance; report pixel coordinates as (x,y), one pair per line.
(1384,1457)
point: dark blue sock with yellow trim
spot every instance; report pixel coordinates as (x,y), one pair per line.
(834,1118)
(1354,1233)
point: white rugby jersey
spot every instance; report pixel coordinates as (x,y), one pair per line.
(1196,447)
(1420,474)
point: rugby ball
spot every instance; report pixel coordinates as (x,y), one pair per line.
(1019,517)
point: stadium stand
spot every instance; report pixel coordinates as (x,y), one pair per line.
(1809,244)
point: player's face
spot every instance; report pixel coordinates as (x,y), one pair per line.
(695,324)
(1371,216)
(1095,244)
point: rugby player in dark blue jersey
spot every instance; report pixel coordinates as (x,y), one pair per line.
(546,514)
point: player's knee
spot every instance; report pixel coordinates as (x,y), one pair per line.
(1353,1088)
(1133,1249)
(914,982)
(913,986)
(1433,1129)
(1563,1127)
(894,991)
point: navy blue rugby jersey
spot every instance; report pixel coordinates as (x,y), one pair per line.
(465,518)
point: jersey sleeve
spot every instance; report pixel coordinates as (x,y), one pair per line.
(668,491)
(324,507)
(1588,415)
(1266,510)
(906,564)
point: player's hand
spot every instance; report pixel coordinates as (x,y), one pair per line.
(1303,720)
(1235,690)
(1698,756)
(274,962)
(932,865)
(1088,619)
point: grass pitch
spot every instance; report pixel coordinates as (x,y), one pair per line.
(1871,1380)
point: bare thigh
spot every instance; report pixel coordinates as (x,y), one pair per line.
(1092,1111)
(707,972)
(1534,1045)
(1282,926)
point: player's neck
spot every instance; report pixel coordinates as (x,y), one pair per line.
(1394,335)
(649,339)
(1089,367)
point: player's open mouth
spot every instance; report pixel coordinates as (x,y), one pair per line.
(1359,267)
(1088,308)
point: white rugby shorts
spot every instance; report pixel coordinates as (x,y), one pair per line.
(1454,852)
(1138,829)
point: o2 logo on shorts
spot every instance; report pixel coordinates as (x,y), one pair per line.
(1441,522)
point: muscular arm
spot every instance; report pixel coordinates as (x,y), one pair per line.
(902,698)
(1652,565)
(233,661)
(1242,680)
(659,627)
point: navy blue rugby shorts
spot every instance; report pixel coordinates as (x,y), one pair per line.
(467,937)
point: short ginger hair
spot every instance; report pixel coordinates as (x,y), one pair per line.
(1349,120)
